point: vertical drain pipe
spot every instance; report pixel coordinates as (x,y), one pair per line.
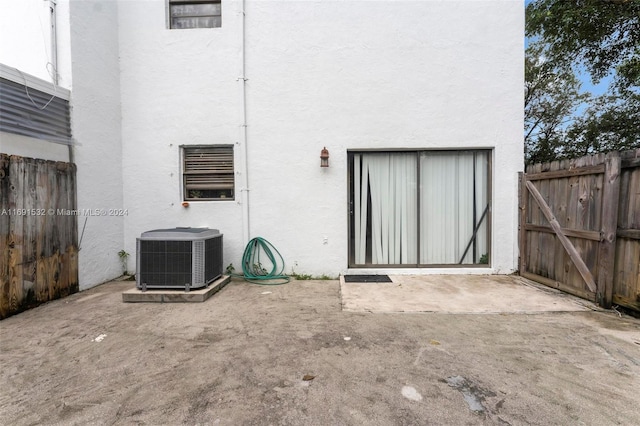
(54,41)
(53,15)
(244,172)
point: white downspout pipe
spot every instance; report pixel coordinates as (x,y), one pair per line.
(244,156)
(54,41)
(54,57)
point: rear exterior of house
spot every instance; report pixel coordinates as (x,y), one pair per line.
(227,106)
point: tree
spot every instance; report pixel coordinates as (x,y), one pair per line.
(601,35)
(551,97)
(597,37)
(610,123)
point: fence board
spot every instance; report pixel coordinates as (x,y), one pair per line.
(596,202)
(606,254)
(626,277)
(16,204)
(574,253)
(4,235)
(40,263)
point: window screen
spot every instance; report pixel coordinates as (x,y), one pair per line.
(186,14)
(208,172)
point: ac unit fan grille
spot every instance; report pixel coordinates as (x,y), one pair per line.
(166,263)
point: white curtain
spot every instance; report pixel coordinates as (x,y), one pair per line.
(453,204)
(387,183)
(454,198)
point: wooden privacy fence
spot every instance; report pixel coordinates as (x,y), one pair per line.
(38,232)
(580,227)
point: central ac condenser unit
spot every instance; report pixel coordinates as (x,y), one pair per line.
(181,258)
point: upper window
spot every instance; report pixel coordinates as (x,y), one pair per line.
(207,172)
(185,14)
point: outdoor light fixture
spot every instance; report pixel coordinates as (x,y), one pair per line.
(324,157)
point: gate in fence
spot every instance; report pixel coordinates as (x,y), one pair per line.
(580,227)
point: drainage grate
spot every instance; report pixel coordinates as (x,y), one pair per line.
(367,279)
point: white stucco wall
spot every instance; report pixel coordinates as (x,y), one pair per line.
(25,146)
(25,38)
(363,75)
(178,88)
(27,21)
(96,126)
(345,75)
(25,47)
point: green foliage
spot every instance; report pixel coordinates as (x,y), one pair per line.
(306,277)
(123,255)
(484,259)
(258,269)
(551,97)
(302,276)
(610,123)
(600,37)
(230,269)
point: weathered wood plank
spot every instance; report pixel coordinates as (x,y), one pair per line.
(522,214)
(583,219)
(633,234)
(4,235)
(633,214)
(16,222)
(623,206)
(577,171)
(560,286)
(626,302)
(607,249)
(597,189)
(627,273)
(29,231)
(63,230)
(562,260)
(44,202)
(572,208)
(52,234)
(577,233)
(38,249)
(630,158)
(573,253)
(563,193)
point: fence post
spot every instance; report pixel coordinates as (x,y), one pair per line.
(522,215)
(607,246)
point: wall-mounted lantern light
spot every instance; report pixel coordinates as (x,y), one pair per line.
(324,157)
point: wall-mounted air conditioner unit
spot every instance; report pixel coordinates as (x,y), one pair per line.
(184,258)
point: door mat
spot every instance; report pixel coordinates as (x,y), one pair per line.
(367,279)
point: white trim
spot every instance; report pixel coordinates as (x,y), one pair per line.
(19,77)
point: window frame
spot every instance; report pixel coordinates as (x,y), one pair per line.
(417,152)
(170,3)
(186,170)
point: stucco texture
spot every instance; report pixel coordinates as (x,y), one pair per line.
(346,75)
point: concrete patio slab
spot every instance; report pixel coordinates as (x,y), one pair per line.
(289,355)
(459,294)
(175,295)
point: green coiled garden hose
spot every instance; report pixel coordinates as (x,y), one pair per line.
(253,269)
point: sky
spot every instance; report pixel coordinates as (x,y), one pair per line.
(585,79)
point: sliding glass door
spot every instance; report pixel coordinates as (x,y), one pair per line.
(419,208)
